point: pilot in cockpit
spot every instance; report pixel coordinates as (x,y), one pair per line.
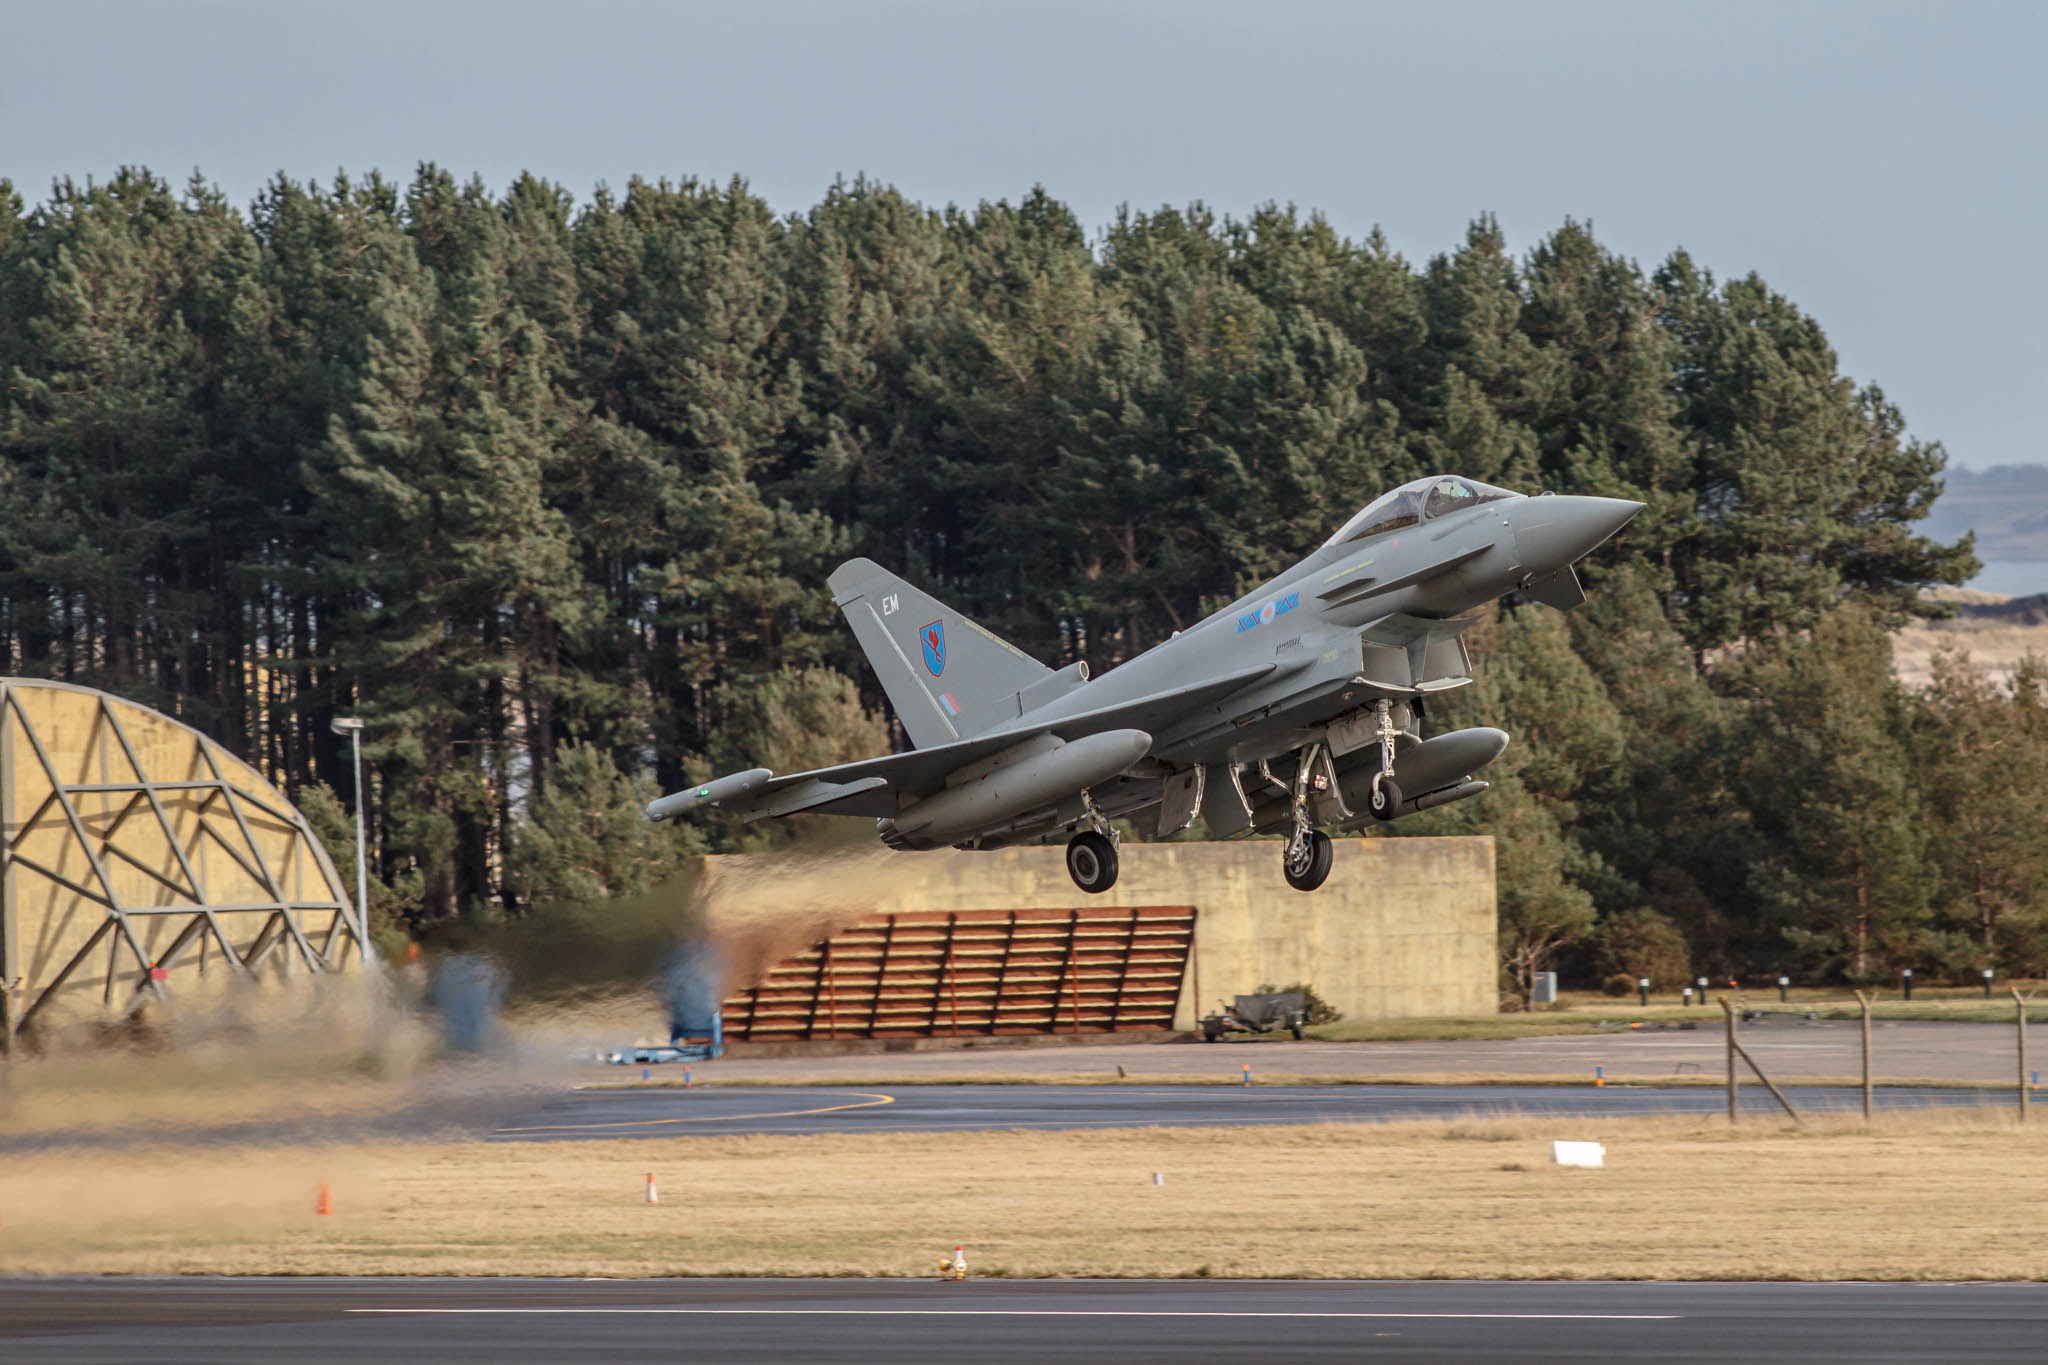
(1411,502)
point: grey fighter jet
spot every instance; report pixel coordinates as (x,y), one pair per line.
(1296,708)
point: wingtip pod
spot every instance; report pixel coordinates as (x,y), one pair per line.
(716,792)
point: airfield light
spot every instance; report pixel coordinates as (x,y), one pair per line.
(352,726)
(1643,988)
(1685,995)
(1906,981)
(1987,983)
(1784,985)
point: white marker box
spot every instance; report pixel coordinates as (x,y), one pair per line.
(1588,1154)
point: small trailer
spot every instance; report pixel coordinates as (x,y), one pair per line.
(1259,1014)
(700,1041)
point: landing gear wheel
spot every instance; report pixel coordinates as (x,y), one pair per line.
(1386,799)
(1309,867)
(1091,862)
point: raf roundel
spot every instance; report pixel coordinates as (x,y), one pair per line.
(932,639)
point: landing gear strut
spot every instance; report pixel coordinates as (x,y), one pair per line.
(1309,854)
(1091,862)
(1386,796)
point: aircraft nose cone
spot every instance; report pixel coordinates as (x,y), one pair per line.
(1555,531)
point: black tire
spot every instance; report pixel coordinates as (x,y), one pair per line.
(1316,870)
(1385,800)
(1091,862)
(1299,1032)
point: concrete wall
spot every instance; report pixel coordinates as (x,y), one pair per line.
(1404,928)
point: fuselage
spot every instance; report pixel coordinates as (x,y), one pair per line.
(1295,707)
(1304,626)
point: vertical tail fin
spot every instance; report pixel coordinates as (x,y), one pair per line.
(946,676)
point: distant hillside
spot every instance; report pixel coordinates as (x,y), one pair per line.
(2007,507)
(1997,631)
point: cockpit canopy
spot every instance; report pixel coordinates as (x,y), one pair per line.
(1411,503)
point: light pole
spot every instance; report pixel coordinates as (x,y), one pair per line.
(352,726)
(7,990)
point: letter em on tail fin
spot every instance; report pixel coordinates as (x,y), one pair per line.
(946,676)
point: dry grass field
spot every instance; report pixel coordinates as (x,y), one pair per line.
(1998,632)
(1586,1012)
(1687,1080)
(1922,1196)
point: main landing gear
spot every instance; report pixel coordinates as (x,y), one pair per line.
(1308,860)
(1309,855)
(1091,862)
(1091,854)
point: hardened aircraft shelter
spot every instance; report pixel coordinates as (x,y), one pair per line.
(139,860)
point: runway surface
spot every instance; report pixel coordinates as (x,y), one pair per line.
(1788,1046)
(707,1111)
(306,1320)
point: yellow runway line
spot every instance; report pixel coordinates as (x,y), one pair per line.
(870,1102)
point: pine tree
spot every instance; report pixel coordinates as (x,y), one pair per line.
(1566,754)
(689,361)
(1603,415)
(1830,784)
(503,476)
(104,434)
(587,837)
(1983,751)
(436,500)
(1801,488)
(1671,828)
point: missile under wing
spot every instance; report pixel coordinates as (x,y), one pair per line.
(1295,709)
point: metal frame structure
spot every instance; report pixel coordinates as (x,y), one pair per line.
(142,848)
(939,973)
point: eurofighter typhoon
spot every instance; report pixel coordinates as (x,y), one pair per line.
(1296,708)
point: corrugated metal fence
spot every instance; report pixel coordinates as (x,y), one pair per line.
(924,974)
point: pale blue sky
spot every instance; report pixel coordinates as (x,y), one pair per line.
(1885,165)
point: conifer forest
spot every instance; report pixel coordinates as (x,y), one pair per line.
(545,487)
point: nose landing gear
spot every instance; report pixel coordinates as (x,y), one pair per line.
(1386,796)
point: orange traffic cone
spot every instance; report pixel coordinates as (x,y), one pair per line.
(653,1196)
(323,1202)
